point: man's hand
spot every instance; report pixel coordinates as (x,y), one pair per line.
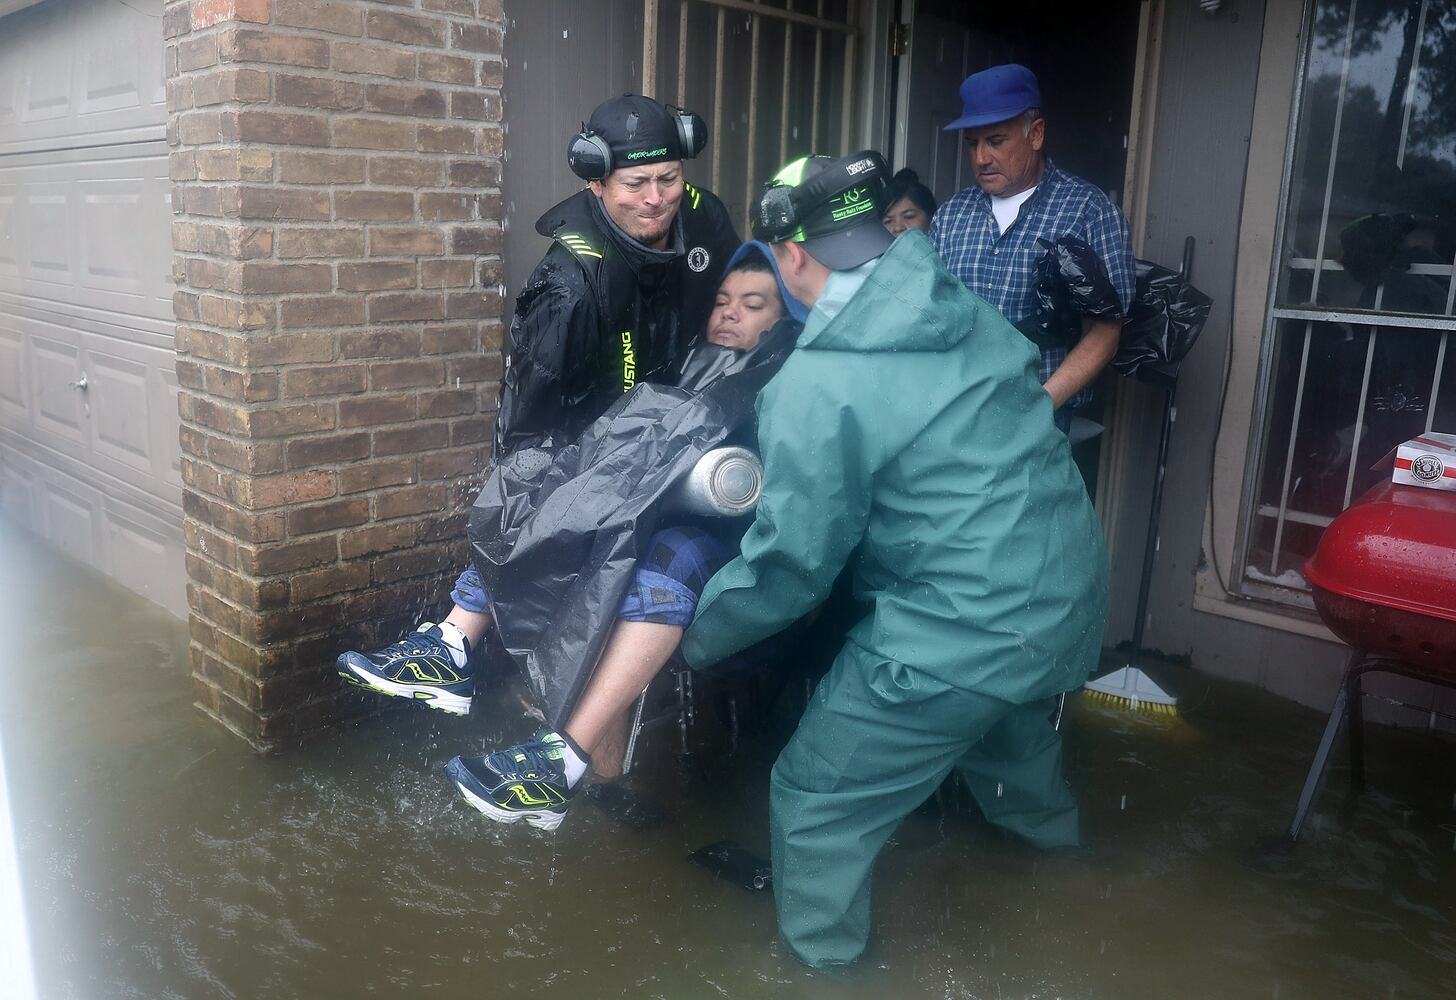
(1086,360)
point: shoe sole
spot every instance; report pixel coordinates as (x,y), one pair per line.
(440,701)
(541,820)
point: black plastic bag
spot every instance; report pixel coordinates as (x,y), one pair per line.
(1165,320)
(1071,284)
(556,533)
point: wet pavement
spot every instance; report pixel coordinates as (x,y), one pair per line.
(162,859)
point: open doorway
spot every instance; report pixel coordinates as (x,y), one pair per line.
(1084,56)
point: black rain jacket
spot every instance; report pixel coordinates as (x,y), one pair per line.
(602,312)
(556,535)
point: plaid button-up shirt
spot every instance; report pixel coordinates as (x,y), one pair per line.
(1000,267)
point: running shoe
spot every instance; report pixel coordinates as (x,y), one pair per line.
(526,782)
(420,666)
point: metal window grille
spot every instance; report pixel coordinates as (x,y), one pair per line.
(1358,335)
(787,69)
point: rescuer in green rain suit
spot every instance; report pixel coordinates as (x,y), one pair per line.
(907,431)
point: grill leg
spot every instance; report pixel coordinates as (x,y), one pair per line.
(1321,760)
(1355,714)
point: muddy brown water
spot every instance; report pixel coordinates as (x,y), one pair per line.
(162,859)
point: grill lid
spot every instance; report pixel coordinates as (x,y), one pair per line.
(1395,547)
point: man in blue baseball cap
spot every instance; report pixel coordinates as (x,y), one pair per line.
(987,235)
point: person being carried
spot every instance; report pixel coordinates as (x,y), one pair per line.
(626,286)
(987,235)
(535,781)
(906,436)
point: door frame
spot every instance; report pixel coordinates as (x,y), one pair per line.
(1116,458)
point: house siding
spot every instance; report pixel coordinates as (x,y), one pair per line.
(1200,157)
(1217,74)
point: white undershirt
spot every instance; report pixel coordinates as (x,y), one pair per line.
(1007,209)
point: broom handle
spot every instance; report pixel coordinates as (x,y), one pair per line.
(1150,549)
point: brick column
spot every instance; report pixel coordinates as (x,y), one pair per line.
(337,254)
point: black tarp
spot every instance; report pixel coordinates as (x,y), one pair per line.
(1071,284)
(556,534)
(1165,320)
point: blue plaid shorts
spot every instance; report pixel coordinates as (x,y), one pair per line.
(665,588)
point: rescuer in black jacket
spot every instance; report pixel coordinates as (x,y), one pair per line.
(604,311)
(626,286)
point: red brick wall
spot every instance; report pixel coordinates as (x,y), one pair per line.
(337,256)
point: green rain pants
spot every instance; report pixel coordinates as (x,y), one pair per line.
(876,741)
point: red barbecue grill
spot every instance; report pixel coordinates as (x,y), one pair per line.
(1384,579)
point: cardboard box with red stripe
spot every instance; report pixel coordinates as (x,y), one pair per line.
(1428,460)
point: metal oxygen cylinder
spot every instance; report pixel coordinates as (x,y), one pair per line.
(725,482)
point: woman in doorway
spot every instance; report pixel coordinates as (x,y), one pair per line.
(908,203)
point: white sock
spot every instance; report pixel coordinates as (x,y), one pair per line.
(453,637)
(571,761)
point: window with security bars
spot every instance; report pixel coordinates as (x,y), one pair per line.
(771,76)
(1358,349)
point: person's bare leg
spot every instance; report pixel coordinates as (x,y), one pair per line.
(635,653)
(611,751)
(473,623)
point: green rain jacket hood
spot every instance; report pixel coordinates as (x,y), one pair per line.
(909,432)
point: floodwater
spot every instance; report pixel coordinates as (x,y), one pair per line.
(162,859)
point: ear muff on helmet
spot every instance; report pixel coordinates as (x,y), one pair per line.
(588,155)
(777,217)
(692,131)
(782,208)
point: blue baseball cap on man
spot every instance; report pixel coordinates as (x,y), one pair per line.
(996,95)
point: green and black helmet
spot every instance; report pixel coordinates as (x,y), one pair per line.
(830,205)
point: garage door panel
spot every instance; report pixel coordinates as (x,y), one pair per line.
(17,492)
(80,70)
(86,287)
(48,91)
(124,216)
(9,237)
(120,410)
(145,555)
(133,396)
(123,424)
(140,548)
(93,230)
(167,439)
(12,385)
(45,238)
(112,217)
(9,95)
(111,79)
(58,405)
(70,522)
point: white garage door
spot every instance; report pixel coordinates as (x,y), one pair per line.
(88,411)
